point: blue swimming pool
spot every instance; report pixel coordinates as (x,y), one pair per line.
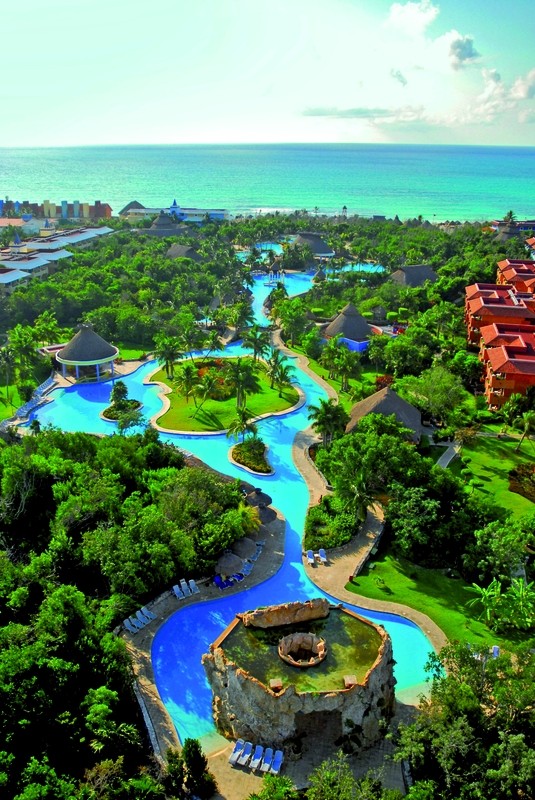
(181,641)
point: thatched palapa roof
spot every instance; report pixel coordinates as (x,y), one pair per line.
(414,275)
(350,324)
(183,251)
(87,347)
(319,248)
(387,402)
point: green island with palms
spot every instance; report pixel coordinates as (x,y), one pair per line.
(224,393)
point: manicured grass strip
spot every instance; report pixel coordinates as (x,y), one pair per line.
(491,460)
(129,351)
(7,409)
(217,415)
(443,599)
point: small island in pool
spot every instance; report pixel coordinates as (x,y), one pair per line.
(208,394)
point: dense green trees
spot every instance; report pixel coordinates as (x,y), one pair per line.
(473,737)
(90,529)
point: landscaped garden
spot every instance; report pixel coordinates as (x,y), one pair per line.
(446,600)
(490,461)
(215,409)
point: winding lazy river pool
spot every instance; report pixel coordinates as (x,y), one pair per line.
(181,641)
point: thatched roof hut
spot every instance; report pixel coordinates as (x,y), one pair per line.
(183,251)
(414,275)
(319,247)
(349,324)
(87,349)
(387,402)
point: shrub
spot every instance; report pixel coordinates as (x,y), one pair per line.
(252,454)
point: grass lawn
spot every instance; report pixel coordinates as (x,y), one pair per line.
(129,351)
(217,415)
(8,409)
(491,460)
(367,380)
(443,599)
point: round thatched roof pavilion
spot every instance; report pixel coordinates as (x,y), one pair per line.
(87,349)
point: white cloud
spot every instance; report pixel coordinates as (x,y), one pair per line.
(462,52)
(412,18)
(524,88)
(402,114)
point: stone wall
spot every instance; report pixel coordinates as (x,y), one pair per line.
(244,707)
(286,614)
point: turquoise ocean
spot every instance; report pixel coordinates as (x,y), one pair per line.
(437,182)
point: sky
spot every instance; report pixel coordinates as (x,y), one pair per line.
(235,71)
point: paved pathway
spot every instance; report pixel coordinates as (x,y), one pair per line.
(449,454)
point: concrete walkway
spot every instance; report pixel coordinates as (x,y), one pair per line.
(449,454)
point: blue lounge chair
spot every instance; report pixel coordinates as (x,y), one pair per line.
(310,557)
(245,755)
(236,752)
(277,762)
(228,583)
(185,588)
(193,586)
(237,577)
(129,627)
(218,581)
(178,592)
(247,569)
(142,618)
(136,623)
(257,757)
(148,613)
(257,554)
(266,761)
(495,651)
(323,555)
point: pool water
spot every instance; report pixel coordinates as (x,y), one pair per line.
(180,643)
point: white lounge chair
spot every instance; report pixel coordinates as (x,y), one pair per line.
(277,762)
(193,586)
(178,592)
(236,752)
(129,627)
(142,618)
(257,757)
(322,555)
(185,588)
(148,613)
(245,755)
(266,761)
(310,557)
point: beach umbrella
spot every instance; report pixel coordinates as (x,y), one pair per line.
(244,548)
(228,564)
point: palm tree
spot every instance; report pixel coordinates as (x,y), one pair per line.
(348,366)
(187,381)
(206,387)
(211,343)
(47,330)
(329,356)
(7,362)
(167,351)
(242,424)
(528,423)
(329,419)
(283,378)
(241,377)
(489,597)
(21,340)
(274,363)
(352,487)
(257,338)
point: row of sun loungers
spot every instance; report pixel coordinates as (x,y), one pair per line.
(138,621)
(263,760)
(185,589)
(320,556)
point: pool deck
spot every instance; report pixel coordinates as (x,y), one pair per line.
(238,783)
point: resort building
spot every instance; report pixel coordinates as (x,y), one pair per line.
(530,243)
(10,279)
(487,303)
(89,354)
(352,328)
(519,273)
(62,210)
(320,248)
(387,402)
(508,356)
(135,211)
